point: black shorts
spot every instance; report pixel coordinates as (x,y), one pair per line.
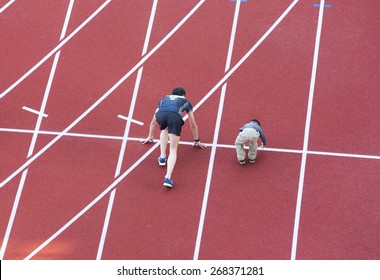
(171,120)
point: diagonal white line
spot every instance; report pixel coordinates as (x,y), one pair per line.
(130,119)
(51,53)
(307,130)
(35,111)
(50,80)
(102,98)
(6,6)
(67,19)
(105,225)
(13,214)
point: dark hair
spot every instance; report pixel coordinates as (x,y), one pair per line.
(254,120)
(179,91)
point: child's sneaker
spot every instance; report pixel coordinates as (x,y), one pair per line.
(241,161)
(252,161)
(169,183)
(161,161)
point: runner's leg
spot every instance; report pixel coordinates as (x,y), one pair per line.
(163,142)
(172,159)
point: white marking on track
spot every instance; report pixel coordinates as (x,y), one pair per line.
(129,119)
(6,6)
(307,131)
(35,112)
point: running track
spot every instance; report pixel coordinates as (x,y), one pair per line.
(77,184)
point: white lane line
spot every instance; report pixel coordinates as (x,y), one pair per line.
(343,155)
(129,119)
(35,112)
(44,132)
(13,214)
(43,105)
(150,27)
(105,225)
(102,98)
(209,174)
(40,114)
(307,131)
(6,6)
(226,146)
(67,19)
(216,135)
(51,53)
(126,132)
(50,81)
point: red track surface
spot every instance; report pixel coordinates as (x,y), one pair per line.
(218,209)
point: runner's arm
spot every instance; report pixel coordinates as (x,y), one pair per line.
(152,126)
(194,130)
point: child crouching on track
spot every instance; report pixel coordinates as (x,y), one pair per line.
(249,133)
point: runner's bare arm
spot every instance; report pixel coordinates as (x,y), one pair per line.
(194,130)
(152,126)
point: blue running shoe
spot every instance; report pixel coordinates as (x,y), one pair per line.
(161,161)
(169,183)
